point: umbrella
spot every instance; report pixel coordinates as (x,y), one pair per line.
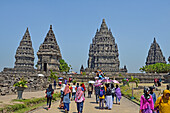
(115,81)
(40,75)
(97,84)
(107,81)
(98,81)
(91,82)
(60,78)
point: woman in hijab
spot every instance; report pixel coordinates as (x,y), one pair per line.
(146,103)
(62,95)
(79,99)
(49,94)
(118,94)
(163,102)
(66,98)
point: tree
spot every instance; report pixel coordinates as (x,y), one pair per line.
(156,68)
(136,80)
(64,67)
(53,76)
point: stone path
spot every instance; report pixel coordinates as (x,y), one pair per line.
(90,106)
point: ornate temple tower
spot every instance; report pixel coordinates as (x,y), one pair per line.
(25,54)
(103,53)
(49,53)
(155,54)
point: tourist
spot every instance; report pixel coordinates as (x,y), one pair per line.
(113,92)
(55,84)
(163,102)
(167,87)
(118,94)
(84,88)
(79,99)
(90,90)
(62,95)
(66,98)
(109,101)
(97,90)
(49,94)
(65,81)
(70,87)
(77,86)
(60,82)
(101,97)
(146,103)
(73,90)
(153,94)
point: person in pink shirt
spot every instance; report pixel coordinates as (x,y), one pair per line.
(146,103)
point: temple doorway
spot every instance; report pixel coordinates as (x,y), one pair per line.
(45,66)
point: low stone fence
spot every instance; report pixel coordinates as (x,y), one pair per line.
(35,83)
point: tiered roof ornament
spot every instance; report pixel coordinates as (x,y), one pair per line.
(25,54)
(155,54)
(103,53)
(49,53)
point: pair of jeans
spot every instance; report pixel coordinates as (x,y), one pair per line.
(118,99)
(97,98)
(66,106)
(74,95)
(113,94)
(101,102)
(49,101)
(80,107)
(89,94)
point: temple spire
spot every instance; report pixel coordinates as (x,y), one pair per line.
(50,26)
(103,26)
(154,41)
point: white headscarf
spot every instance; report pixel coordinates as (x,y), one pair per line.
(63,87)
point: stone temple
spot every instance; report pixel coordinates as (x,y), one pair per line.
(155,54)
(103,52)
(49,54)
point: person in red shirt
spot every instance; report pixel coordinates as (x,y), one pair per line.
(83,86)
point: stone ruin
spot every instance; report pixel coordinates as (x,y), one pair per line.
(103,52)
(155,54)
(49,54)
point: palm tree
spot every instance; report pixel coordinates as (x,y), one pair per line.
(134,80)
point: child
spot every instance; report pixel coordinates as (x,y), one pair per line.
(101,97)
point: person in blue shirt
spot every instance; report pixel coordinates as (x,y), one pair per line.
(153,94)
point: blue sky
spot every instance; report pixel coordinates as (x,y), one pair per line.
(133,23)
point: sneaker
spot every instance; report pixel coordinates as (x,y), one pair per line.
(48,108)
(119,103)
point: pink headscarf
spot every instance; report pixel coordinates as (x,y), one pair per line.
(66,90)
(79,91)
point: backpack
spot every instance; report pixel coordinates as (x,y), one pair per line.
(108,91)
(113,90)
(101,93)
(49,94)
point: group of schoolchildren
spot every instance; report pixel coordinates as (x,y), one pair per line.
(105,94)
(149,103)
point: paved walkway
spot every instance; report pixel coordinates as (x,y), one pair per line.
(90,106)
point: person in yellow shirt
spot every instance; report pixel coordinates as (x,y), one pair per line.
(101,97)
(163,102)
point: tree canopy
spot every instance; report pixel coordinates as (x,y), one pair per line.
(64,67)
(156,68)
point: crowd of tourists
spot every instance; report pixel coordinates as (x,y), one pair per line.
(149,103)
(105,92)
